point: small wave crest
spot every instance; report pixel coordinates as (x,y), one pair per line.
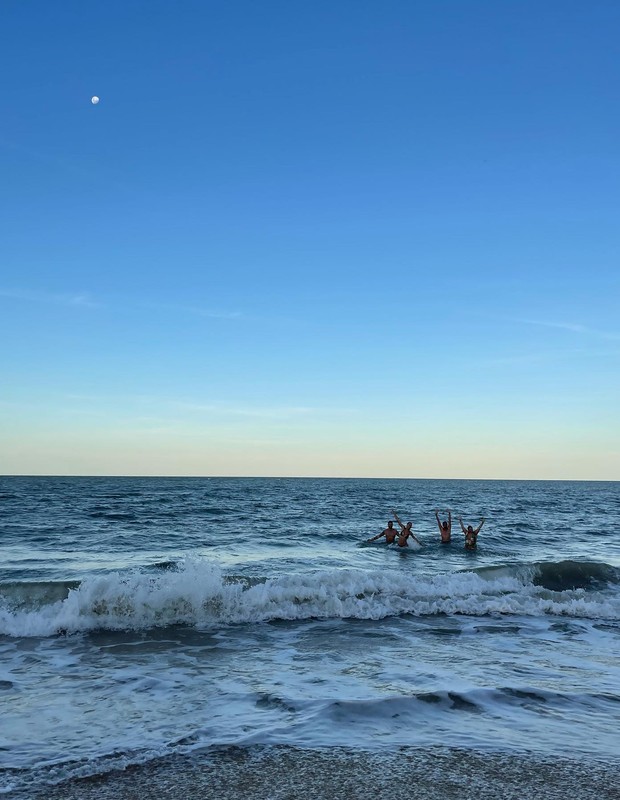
(559,576)
(197,593)
(563,575)
(476,701)
(33,595)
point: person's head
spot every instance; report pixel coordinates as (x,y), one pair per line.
(390,524)
(409,525)
(444,525)
(470,529)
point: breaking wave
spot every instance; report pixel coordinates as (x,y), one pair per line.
(197,593)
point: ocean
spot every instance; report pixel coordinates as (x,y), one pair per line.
(230,631)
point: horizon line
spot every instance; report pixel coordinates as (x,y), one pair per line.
(311,477)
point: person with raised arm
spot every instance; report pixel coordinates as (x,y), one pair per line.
(445,528)
(405,532)
(389,533)
(471,534)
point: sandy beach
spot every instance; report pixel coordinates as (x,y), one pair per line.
(284,773)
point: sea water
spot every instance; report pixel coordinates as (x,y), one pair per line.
(141,617)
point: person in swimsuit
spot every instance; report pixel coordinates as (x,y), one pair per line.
(445,528)
(405,532)
(471,534)
(389,533)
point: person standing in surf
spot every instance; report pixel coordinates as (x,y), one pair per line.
(389,533)
(445,528)
(405,532)
(471,534)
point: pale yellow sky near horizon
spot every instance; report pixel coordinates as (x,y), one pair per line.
(70,455)
(86,437)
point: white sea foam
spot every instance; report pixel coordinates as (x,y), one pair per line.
(199,594)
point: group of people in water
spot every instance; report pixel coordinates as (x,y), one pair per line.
(445,531)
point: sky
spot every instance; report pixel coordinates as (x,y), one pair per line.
(327,238)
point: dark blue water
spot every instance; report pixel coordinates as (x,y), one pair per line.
(147,616)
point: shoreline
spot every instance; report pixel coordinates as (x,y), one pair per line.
(279,772)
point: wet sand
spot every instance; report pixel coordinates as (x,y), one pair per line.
(285,773)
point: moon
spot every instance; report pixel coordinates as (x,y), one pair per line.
(94,100)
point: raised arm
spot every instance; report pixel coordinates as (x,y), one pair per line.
(463,528)
(479,526)
(397,518)
(437,518)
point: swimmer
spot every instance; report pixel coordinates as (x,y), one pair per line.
(445,528)
(405,532)
(471,534)
(389,533)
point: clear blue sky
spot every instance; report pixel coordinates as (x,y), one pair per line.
(310,238)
